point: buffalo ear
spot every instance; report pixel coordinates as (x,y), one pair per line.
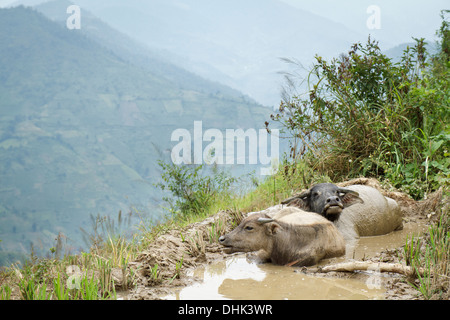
(272,228)
(300,201)
(350,197)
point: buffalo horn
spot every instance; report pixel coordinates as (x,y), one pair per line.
(344,190)
(297,196)
(264,220)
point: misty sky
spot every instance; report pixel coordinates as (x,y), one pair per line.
(400,19)
(249,61)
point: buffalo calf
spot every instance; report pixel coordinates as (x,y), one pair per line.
(291,237)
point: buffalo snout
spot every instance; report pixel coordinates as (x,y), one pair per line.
(333,208)
(224,240)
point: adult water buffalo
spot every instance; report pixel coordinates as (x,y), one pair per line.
(356,210)
(291,237)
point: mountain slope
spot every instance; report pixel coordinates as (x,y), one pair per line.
(237,42)
(132,51)
(80,129)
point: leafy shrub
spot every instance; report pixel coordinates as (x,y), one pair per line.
(193,190)
(367,115)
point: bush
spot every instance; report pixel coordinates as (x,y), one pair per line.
(366,115)
(192,190)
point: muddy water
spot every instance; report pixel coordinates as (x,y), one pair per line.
(370,246)
(236,278)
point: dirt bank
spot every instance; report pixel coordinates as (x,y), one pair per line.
(165,265)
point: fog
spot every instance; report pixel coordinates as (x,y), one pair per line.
(241,43)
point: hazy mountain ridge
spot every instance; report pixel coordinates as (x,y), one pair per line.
(239,43)
(132,51)
(80,129)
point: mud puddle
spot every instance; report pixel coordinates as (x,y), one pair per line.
(236,278)
(367,247)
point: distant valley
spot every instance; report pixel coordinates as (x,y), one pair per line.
(82,126)
(238,43)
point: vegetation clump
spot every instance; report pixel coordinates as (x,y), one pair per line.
(366,115)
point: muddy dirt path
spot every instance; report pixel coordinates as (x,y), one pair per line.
(192,265)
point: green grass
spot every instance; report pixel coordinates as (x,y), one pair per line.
(48,280)
(431,253)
